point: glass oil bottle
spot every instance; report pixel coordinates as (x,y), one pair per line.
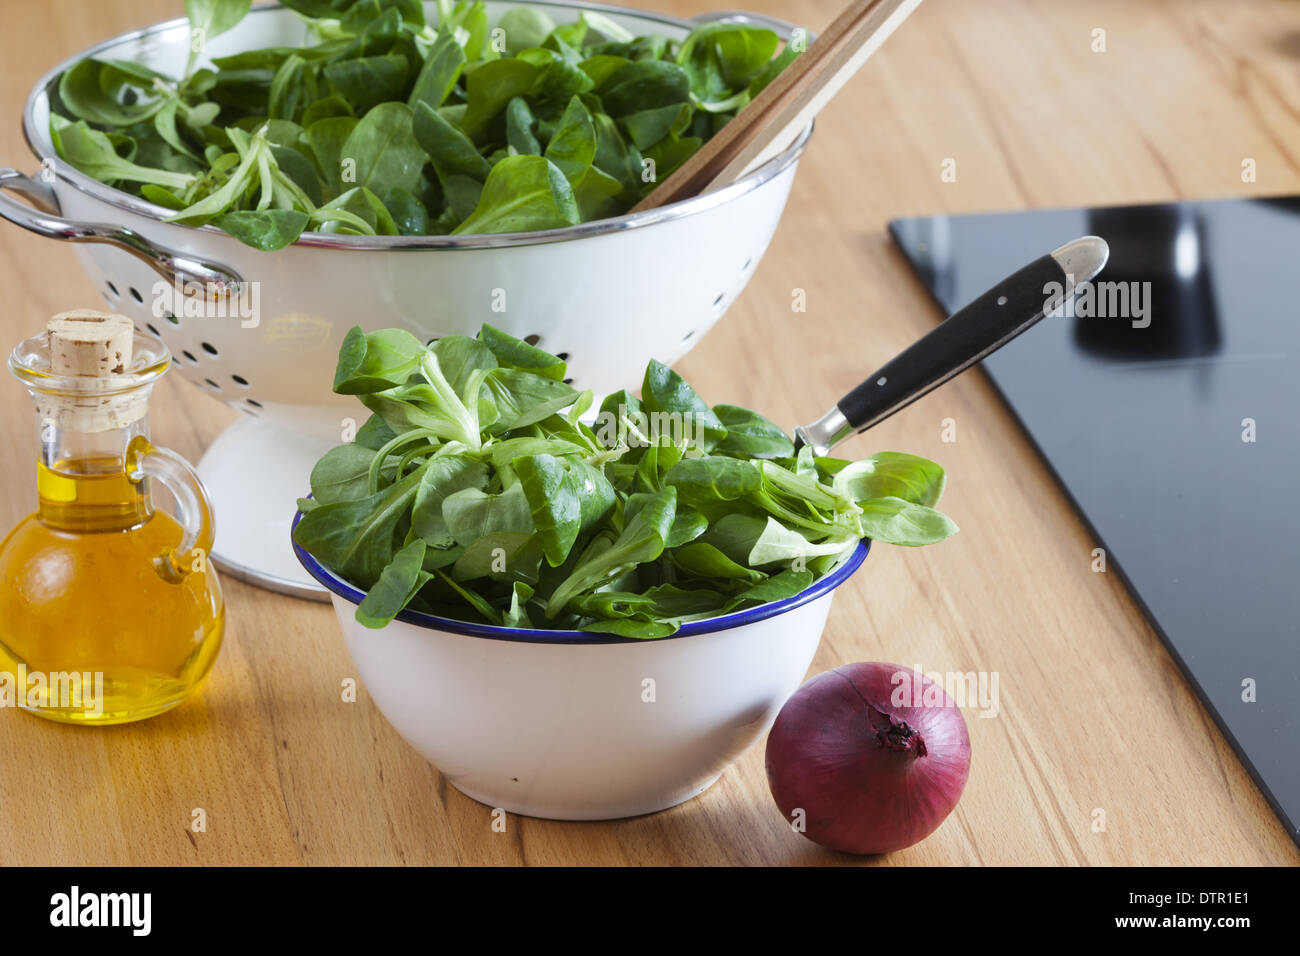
(109,609)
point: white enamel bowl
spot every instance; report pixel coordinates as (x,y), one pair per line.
(574,726)
(606,294)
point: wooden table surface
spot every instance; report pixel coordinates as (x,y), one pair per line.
(1094,715)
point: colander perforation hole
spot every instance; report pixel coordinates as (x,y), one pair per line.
(254,402)
(135,294)
(171,318)
(718,301)
(568,381)
(209,348)
(190,355)
(215,386)
(112,289)
(562,356)
(239,380)
(152,329)
(748,263)
(687,336)
(532,339)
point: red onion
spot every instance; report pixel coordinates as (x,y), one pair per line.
(869,775)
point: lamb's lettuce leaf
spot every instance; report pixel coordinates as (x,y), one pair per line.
(476,490)
(393,123)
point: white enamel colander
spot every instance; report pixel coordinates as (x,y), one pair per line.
(606,295)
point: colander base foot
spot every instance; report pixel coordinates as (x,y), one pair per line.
(254,473)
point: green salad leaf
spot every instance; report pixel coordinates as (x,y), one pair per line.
(477,491)
(388,123)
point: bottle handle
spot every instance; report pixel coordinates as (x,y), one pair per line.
(194,510)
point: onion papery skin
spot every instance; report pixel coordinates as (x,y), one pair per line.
(864,783)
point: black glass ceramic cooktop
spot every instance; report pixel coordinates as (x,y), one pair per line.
(1175,428)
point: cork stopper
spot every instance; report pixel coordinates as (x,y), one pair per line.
(98,346)
(89,344)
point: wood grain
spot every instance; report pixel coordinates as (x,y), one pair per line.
(1093,713)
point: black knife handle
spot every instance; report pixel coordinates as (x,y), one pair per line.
(957,343)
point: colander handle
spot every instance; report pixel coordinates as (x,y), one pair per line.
(43,219)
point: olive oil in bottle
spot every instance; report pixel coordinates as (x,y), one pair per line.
(109,609)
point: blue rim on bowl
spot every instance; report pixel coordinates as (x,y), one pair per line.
(336,585)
